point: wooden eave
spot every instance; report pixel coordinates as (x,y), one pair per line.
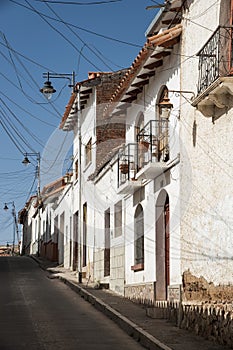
(67,110)
(161,54)
(140,83)
(129,99)
(149,59)
(171,12)
(86,91)
(83,102)
(146,75)
(68,120)
(153,65)
(135,91)
(84,97)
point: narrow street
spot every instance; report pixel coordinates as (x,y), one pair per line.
(40,313)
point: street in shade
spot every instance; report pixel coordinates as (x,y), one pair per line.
(40,313)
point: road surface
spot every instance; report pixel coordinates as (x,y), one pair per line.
(40,313)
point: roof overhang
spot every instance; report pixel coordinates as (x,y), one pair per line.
(84,88)
(149,59)
(169,13)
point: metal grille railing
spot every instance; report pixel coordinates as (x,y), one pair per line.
(215,58)
(152,147)
(153,142)
(127,163)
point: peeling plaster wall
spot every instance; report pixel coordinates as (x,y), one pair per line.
(200,290)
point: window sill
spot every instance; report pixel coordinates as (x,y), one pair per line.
(137,267)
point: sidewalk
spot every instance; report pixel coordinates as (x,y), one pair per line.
(153,334)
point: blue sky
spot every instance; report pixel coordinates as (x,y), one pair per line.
(34,40)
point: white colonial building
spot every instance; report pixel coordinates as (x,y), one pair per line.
(147,209)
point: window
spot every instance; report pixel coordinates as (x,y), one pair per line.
(139,238)
(118,219)
(107,243)
(85,234)
(88,149)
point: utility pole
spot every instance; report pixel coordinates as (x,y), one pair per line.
(80,238)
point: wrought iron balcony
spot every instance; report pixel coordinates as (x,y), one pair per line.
(127,169)
(153,148)
(215,58)
(145,159)
(215,84)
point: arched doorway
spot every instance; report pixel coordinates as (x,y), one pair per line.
(162,246)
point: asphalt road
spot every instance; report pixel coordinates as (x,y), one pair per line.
(40,313)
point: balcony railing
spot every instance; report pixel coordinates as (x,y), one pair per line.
(215,58)
(153,143)
(151,150)
(127,163)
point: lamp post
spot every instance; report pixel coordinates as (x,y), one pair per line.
(165,105)
(47,90)
(15,224)
(26,161)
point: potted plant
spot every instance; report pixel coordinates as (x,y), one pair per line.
(124,168)
(143,145)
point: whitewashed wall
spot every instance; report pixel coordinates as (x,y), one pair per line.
(167,75)
(206,182)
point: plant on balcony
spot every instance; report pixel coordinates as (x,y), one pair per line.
(143,145)
(124,168)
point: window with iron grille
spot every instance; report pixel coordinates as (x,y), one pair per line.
(139,235)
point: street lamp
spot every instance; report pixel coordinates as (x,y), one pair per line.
(165,105)
(26,161)
(48,90)
(15,226)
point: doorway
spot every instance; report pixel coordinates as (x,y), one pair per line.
(162,246)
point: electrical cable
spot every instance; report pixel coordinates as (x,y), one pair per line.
(33,136)
(17,132)
(79,3)
(21,150)
(64,37)
(26,111)
(57,115)
(78,36)
(42,106)
(82,29)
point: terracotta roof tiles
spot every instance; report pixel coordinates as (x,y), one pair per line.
(158,40)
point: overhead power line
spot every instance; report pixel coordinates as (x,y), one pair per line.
(81,28)
(79,3)
(78,36)
(63,36)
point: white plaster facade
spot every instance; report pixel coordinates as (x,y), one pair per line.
(206,220)
(184,202)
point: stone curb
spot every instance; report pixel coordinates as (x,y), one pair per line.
(131,328)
